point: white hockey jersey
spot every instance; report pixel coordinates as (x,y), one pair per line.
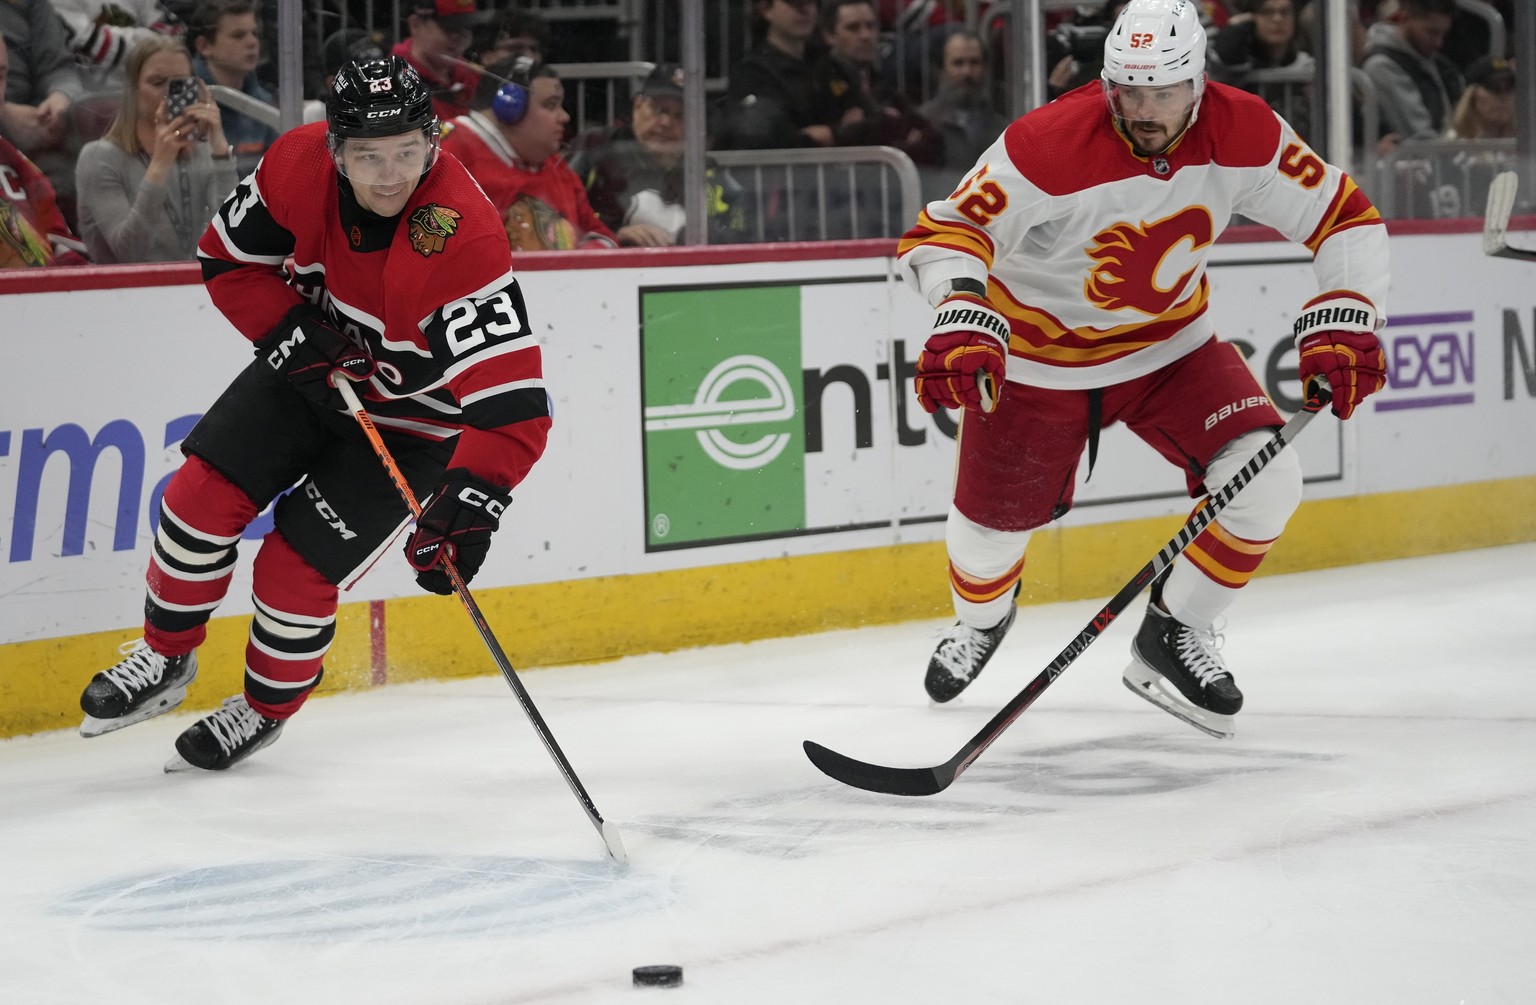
(1097,255)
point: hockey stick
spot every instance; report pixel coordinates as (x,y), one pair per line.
(1501,203)
(927,781)
(609,833)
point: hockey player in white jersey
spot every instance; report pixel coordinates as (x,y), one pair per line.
(1068,276)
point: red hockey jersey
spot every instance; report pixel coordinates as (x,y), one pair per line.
(430,293)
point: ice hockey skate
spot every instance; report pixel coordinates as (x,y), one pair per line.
(962,653)
(224,738)
(1179,669)
(142,685)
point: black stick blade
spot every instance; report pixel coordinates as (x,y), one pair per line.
(876,777)
(1518,254)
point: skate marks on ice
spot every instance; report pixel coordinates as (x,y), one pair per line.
(795,823)
(385,897)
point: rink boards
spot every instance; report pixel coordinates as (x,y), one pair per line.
(735,455)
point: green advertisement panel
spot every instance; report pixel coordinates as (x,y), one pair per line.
(721,387)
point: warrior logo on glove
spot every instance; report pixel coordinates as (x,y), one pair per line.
(964,362)
(1336,334)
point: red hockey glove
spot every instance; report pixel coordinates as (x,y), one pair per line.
(964,362)
(307,350)
(457,523)
(1336,334)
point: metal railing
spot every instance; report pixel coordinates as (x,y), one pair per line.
(825,194)
(602,91)
(596,92)
(1439,178)
(252,108)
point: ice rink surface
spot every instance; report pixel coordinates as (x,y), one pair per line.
(1368,837)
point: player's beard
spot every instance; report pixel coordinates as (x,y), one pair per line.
(1151,137)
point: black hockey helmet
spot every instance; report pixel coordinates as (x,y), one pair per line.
(378,97)
(374,97)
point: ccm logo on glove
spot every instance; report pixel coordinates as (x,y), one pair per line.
(306,349)
(456,525)
(471,496)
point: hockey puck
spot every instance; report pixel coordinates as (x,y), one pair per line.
(659,975)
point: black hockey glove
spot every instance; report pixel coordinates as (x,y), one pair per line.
(457,523)
(307,350)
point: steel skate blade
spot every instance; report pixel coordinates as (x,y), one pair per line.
(178,763)
(91,726)
(1151,687)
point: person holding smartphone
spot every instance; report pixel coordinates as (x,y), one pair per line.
(150,185)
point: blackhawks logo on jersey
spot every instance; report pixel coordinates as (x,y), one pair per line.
(430,227)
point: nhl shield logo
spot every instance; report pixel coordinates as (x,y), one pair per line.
(1160,165)
(430,227)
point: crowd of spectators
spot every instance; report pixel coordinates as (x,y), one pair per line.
(113,147)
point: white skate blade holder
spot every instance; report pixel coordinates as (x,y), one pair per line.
(91,726)
(1151,685)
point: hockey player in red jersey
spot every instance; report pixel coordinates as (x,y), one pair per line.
(1068,276)
(400,278)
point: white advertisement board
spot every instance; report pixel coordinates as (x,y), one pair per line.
(707,414)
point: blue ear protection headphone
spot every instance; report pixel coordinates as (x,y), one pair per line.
(511,101)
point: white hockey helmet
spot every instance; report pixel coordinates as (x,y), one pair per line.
(1155,43)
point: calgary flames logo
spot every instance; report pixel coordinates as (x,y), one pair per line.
(1130,262)
(430,227)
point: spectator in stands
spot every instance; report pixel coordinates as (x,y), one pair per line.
(851,34)
(1214,15)
(1470,36)
(962,111)
(1308,35)
(1486,110)
(512,34)
(1416,84)
(338,49)
(1265,38)
(438,33)
(227,42)
(149,186)
(1075,50)
(510,142)
(33,232)
(40,91)
(774,97)
(880,117)
(102,32)
(634,171)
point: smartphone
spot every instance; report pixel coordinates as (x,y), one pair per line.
(179,93)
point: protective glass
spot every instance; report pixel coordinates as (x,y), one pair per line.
(1169,103)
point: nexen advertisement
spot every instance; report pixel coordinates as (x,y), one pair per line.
(708,414)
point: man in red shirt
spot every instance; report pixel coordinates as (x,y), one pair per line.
(32,230)
(510,143)
(438,33)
